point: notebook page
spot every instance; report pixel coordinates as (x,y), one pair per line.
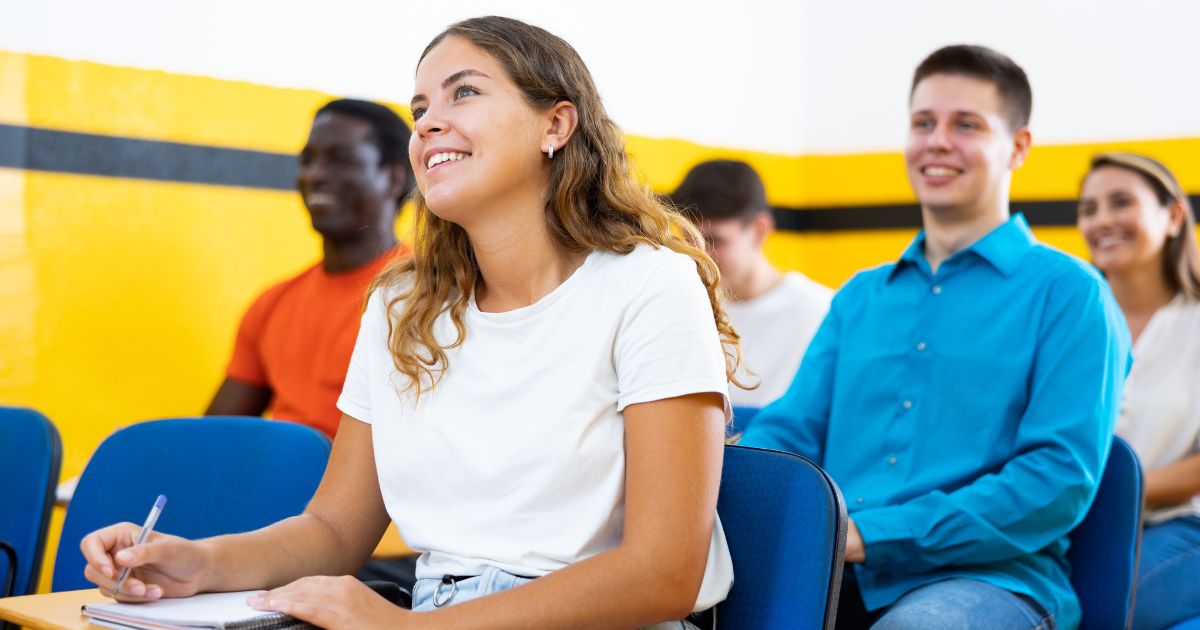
(207,610)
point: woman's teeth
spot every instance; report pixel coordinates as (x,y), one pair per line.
(438,158)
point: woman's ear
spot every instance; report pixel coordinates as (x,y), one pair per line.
(563,118)
(1175,218)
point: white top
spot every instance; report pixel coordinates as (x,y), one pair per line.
(517,458)
(1160,412)
(776,328)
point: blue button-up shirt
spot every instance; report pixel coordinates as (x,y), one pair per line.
(966,414)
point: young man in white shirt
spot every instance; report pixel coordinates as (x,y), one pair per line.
(775,313)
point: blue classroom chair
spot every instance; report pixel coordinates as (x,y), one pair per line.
(785,522)
(30,457)
(221,475)
(1104,547)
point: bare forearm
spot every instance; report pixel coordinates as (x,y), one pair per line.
(278,554)
(1174,483)
(610,590)
(239,398)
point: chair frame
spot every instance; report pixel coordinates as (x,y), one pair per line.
(839,525)
(1117,444)
(35,567)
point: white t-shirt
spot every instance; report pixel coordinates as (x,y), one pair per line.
(517,459)
(1160,411)
(775,328)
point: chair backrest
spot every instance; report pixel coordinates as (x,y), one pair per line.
(741,418)
(785,521)
(30,457)
(1104,547)
(221,475)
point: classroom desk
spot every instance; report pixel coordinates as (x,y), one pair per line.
(60,611)
(51,611)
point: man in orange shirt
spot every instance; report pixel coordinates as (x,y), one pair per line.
(295,341)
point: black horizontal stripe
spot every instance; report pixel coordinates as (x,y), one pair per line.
(51,150)
(56,151)
(908,216)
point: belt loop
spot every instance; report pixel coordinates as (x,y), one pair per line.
(447,580)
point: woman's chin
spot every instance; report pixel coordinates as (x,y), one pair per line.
(445,210)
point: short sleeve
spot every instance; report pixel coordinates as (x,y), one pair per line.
(667,344)
(246,364)
(355,400)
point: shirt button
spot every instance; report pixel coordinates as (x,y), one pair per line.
(921,347)
(892,461)
(858,500)
(937,289)
(908,404)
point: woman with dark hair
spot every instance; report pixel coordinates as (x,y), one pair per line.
(537,398)
(1139,228)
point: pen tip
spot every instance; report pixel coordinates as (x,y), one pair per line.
(162,501)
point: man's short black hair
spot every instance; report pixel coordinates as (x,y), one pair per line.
(721,189)
(389,132)
(981,62)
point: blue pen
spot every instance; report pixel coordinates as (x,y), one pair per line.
(141,537)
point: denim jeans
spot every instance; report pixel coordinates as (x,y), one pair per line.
(1168,589)
(961,603)
(492,580)
(947,605)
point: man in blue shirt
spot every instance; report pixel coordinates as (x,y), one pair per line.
(964,396)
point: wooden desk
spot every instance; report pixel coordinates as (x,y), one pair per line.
(51,611)
(60,611)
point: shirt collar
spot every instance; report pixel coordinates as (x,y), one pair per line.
(1003,247)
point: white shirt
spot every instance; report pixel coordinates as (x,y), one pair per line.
(517,459)
(775,328)
(1160,411)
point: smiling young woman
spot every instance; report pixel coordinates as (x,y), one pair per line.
(1139,228)
(537,398)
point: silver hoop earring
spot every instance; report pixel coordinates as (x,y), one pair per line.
(550,151)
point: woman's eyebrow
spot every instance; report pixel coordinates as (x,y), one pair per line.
(453,79)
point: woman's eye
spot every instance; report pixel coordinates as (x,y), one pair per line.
(967,126)
(922,124)
(464,90)
(417,113)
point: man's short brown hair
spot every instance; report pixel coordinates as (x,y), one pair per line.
(719,190)
(980,62)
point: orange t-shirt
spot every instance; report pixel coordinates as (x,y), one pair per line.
(297,339)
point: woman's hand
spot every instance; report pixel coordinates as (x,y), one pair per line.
(333,603)
(163,566)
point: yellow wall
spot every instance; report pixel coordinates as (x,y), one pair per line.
(119,298)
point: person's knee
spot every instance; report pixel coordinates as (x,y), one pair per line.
(927,613)
(958,603)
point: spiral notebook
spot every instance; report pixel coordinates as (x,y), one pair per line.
(213,611)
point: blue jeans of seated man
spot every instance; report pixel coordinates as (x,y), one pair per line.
(492,580)
(1168,589)
(947,605)
(961,603)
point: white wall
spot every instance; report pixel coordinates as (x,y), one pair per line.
(1100,69)
(791,77)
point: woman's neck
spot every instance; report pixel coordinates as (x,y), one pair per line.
(519,263)
(1140,291)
